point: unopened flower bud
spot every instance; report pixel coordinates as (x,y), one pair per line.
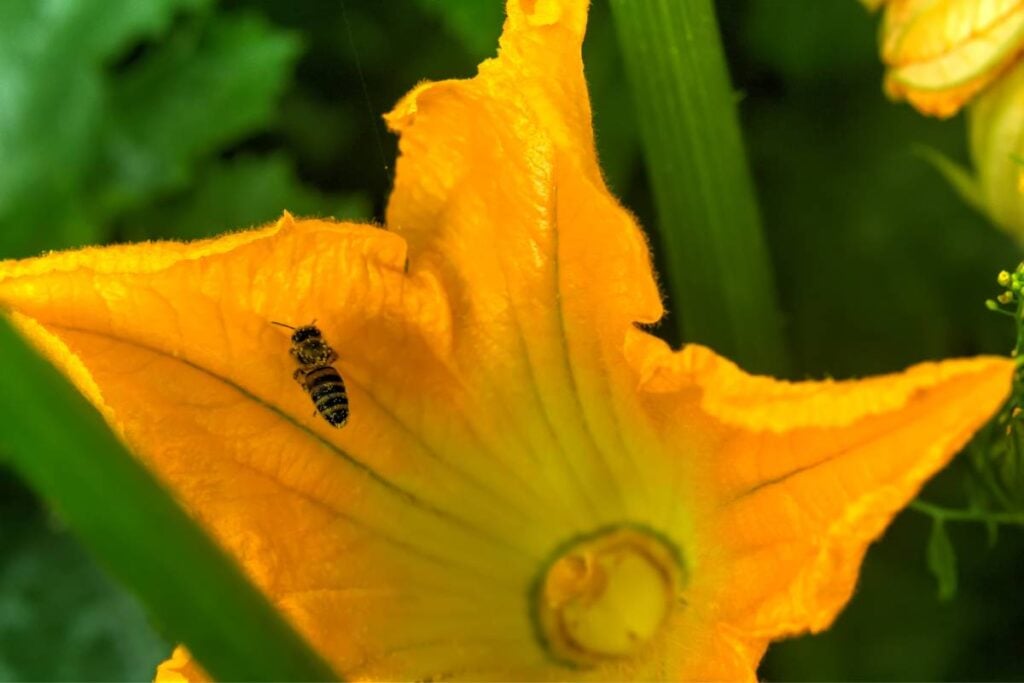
(997,141)
(940,53)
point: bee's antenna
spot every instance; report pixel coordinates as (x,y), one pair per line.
(274,322)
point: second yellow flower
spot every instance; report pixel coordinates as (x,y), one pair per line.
(940,53)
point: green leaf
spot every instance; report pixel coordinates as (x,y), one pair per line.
(942,559)
(204,89)
(992,533)
(54,600)
(83,142)
(52,59)
(88,29)
(243,192)
(958,177)
(64,450)
(809,41)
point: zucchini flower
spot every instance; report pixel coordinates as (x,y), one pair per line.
(529,486)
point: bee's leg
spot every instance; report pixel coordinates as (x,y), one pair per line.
(333,356)
(300,376)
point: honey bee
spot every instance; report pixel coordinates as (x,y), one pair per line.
(316,375)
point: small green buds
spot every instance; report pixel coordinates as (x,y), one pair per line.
(1013,286)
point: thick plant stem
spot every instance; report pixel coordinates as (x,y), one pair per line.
(719,275)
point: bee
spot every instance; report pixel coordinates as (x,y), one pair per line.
(316,375)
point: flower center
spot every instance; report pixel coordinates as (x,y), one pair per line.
(606,596)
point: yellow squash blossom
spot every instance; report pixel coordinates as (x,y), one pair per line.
(529,485)
(940,53)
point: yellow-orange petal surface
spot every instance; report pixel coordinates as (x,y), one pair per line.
(528,487)
(808,474)
(180,668)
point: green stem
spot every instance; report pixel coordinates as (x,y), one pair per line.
(719,268)
(196,594)
(955,515)
(1018,347)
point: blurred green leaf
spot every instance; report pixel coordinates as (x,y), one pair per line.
(942,559)
(960,179)
(880,264)
(61,619)
(992,533)
(63,448)
(92,30)
(240,193)
(206,88)
(52,104)
(477,23)
(978,498)
(82,140)
(812,39)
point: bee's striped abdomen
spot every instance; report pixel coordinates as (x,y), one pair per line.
(316,374)
(327,390)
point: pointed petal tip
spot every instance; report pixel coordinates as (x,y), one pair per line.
(180,668)
(763,403)
(403,114)
(816,471)
(523,18)
(570,13)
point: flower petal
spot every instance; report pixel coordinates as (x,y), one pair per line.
(489,372)
(349,531)
(180,668)
(917,30)
(511,214)
(806,475)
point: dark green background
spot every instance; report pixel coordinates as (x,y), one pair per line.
(127,120)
